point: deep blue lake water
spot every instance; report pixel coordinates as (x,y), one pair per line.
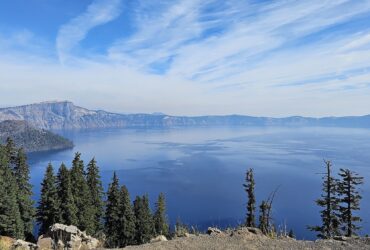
(201,170)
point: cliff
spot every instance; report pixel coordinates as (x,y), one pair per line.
(66,115)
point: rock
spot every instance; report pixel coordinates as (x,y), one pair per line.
(24,245)
(159,238)
(65,237)
(6,242)
(255,230)
(213,231)
(44,242)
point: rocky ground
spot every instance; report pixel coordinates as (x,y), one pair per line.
(245,238)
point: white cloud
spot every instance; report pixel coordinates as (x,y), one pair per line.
(70,34)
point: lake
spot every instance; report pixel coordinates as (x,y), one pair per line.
(201,170)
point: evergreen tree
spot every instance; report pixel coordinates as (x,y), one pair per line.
(160,220)
(350,198)
(82,196)
(263,217)
(11,152)
(10,218)
(330,203)
(144,221)
(251,205)
(113,213)
(68,209)
(96,193)
(127,219)
(24,194)
(48,208)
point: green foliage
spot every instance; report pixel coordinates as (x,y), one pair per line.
(251,205)
(24,194)
(350,200)
(112,215)
(48,209)
(81,196)
(160,219)
(330,204)
(68,209)
(10,217)
(144,220)
(96,191)
(127,219)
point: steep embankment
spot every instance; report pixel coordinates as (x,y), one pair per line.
(251,239)
(30,138)
(65,115)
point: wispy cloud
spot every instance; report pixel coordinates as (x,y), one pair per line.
(195,57)
(98,13)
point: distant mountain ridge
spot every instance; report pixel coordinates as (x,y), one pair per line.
(66,115)
(32,139)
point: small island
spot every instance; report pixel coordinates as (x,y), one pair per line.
(32,139)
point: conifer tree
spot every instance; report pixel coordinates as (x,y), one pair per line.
(350,200)
(10,218)
(48,208)
(263,217)
(160,221)
(24,194)
(251,205)
(330,203)
(113,213)
(127,219)
(144,221)
(68,209)
(95,188)
(81,195)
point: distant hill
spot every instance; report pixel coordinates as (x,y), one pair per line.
(65,115)
(30,138)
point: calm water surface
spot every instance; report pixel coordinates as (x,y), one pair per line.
(201,171)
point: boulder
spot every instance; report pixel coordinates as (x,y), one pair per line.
(24,245)
(63,237)
(213,231)
(159,238)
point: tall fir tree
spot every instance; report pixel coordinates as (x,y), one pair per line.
(48,208)
(24,194)
(160,219)
(10,218)
(82,196)
(113,213)
(127,219)
(144,220)
(68,209)
(350,201)
(96,193)
(330,204)
(251,205)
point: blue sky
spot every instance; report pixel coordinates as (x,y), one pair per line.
(189,57)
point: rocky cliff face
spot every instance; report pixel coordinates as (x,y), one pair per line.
(65,115)
(32,139)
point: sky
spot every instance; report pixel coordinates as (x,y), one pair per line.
(189,57)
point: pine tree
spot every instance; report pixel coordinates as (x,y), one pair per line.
(10,218)
(144,221)
(48,208)
(68,209)
(127,219)
(24,194)
(112,215)
(160,220)
(330,203)
(96,193)
(263,217)
(251,205)
(82,196)
(350,198)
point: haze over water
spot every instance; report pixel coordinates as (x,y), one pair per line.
(201,170)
